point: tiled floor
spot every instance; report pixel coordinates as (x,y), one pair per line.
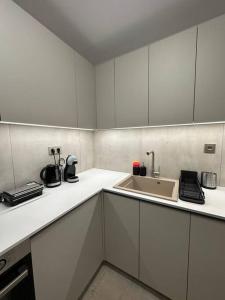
(111,285)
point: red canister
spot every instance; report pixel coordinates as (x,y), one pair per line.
(136,167)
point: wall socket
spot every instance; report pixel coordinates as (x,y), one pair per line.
(210,148)
(55,148)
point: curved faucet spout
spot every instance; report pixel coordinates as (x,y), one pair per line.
(153,171)
(153,161)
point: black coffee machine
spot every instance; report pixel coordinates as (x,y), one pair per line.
(51,175)
(70,169)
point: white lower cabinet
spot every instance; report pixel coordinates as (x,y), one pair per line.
(122,232)
(179,254)
(68,253)
(207,259)
(164,244)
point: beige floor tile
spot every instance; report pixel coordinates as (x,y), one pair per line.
(112,285)
(137,292)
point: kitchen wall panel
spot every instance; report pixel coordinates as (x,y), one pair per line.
(182,147)
(29,146)
(176,148)
(86,150)
(30,149)
(116,149)
(222,178)
(24,149)
(6,167)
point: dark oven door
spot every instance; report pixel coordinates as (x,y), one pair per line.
(17,282)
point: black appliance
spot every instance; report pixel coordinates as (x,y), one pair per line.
(190,189)
(23,193)
(70,169)
(51,175)
(16,276)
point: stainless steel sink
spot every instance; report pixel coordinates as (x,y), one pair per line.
(156,187)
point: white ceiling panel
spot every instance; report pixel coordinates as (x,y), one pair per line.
(102,29)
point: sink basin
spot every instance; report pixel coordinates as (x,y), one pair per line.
(156,187)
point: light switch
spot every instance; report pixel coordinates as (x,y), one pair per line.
(210,148)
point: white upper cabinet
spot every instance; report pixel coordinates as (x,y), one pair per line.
(105,95)
(85,86)
(177,80)
(172,79)
(210,76)
(37,72)
(131,88)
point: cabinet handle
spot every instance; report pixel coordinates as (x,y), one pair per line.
(13,283)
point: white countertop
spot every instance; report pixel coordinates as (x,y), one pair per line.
(214,202)
(19,223)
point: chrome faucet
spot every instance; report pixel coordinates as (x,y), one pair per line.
(154,173)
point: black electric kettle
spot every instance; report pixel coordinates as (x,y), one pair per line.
(51,176)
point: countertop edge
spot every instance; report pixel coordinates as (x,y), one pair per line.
(160,201)
(46,225)
(11,240)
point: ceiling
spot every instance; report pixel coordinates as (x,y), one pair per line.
(102,29)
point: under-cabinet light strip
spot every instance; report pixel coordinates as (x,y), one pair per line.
(160,126)
(122,128)
(48,126)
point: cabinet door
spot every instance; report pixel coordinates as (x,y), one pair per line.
(171,79)
(85,79)
(37,76)
(210,71)
(67,254)
(131,88)
(164,242)
(207,259)
(122,232)
(105,97)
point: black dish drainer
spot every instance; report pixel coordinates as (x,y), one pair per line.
(190,189)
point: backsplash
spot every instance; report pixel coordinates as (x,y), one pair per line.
(176,148)
(24,151)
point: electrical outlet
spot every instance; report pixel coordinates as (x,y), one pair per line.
(55,149)
(210,148)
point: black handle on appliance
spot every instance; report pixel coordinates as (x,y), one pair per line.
(42,174)
(7,289)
